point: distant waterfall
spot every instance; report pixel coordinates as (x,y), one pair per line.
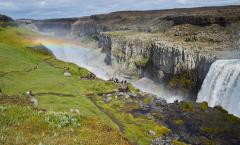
(221,86)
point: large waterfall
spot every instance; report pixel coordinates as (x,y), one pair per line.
(221,86)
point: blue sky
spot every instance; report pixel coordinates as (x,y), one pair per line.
(42,9)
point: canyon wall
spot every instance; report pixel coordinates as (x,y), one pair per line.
(149,56)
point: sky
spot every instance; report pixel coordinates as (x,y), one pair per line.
(44,9)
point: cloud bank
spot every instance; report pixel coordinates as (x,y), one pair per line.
(42,9)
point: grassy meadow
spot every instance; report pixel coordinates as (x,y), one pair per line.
(51,122)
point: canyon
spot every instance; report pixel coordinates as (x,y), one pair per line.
(172,47)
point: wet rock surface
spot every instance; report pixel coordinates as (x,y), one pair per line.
(193,123)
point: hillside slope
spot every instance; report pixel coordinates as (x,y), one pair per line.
(64,113)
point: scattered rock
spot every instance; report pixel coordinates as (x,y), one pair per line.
(33,100)
(151,132)
(107,99)
(76,111)
(67,74)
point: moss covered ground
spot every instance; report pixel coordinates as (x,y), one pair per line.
(136,128)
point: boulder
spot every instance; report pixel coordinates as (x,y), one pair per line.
(33,100)
(76,111)
(151,132)
(107,99)
(67,74)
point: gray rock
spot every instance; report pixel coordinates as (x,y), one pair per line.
(33,100)
(67,74)
(107,99)
(151,132)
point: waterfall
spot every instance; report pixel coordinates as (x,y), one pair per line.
(221,86)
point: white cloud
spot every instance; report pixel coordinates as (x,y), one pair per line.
(42,3)
(7,4)
(39,9)
(182,1)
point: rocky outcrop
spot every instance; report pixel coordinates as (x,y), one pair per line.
(180,54)
(6,21)
(152,57)
(86,27)
(125,54)
(193,123)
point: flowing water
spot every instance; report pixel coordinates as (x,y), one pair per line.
(93,60)
(221,86)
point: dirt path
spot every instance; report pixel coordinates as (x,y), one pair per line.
(55,94)
(117,122)
(25,70)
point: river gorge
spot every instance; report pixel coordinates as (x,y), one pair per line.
(169,58)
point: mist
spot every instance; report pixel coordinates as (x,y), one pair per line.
(93,60)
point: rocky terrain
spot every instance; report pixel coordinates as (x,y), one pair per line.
(190,122)
(193,123)
(162,44)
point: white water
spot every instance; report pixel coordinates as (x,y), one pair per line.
(93,60)
(221,86)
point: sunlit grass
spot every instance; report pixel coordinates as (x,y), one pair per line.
(16,59)
(136,128)
(23,125)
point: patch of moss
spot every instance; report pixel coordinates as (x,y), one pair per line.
(206,141)
(233,119)
(213,129)
(178,122)
(147,100)
(184,81)
(178,83)
(204,106)
(220,108)
(142,62)
(133,89)
(176,142)
(187,107)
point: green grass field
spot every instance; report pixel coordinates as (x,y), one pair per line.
(57,94)
(18,75)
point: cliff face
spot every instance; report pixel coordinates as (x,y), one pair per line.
(57,27)
(152,57)
(148,21)
(179,56)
